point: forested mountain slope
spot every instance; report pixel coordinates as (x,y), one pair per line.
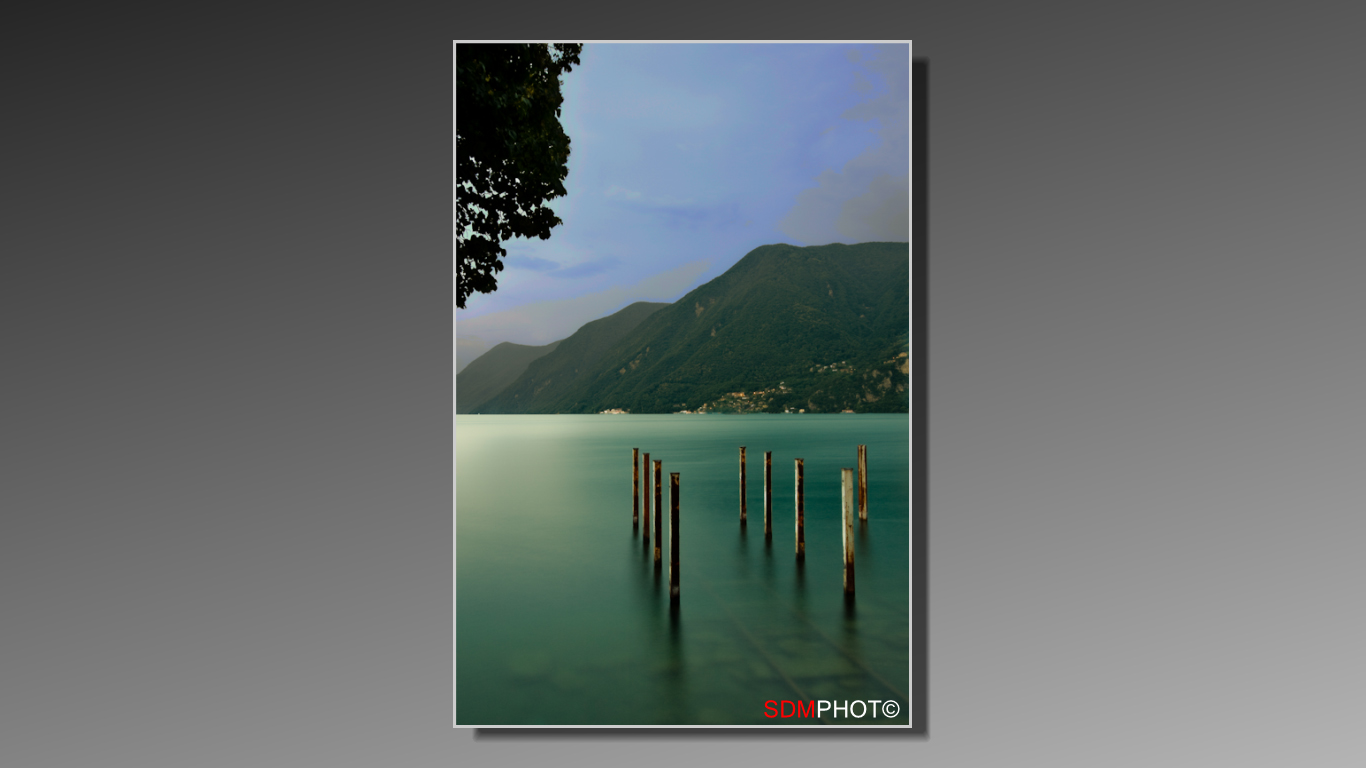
(820,329)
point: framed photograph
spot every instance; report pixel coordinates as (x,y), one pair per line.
(690,355)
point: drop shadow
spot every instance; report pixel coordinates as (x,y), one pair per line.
(743,733)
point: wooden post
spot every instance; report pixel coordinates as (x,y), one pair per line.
(647,494)
(742,485)
(635,487)
(863,483)
(768,494)
(659,511)
(673,537)
(647,500)
(801,513)
(847,485)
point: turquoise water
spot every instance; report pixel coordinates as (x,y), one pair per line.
(563,619)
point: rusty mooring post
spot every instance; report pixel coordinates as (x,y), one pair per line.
(742,486)
(847,485)
(801,513)
(659,511)
(863,483)
(646,538)
(635,487)
(768,494)
(673,537)
(647,494)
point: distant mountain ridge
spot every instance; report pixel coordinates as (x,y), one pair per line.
(493,371)
(787,328)
(574,360)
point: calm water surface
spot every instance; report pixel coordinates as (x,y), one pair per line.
(563,619)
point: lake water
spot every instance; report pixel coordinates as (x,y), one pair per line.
(563,619)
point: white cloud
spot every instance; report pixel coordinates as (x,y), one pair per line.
(882,214)
(869,198)
(813,220)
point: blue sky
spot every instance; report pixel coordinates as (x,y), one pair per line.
(685,157)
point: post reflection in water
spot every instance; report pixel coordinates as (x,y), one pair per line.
(675,674)
(742,554)
(799,588)
(850,638)
(768,562)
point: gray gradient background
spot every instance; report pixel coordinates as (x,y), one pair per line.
(227,375)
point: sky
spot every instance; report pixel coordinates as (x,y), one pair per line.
(685,157)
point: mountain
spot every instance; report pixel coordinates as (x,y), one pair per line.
(820,329)
(574,361)
(467,350)
(491,372)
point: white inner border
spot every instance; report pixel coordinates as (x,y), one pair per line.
(910,527)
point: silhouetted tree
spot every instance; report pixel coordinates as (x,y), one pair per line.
(511,152)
